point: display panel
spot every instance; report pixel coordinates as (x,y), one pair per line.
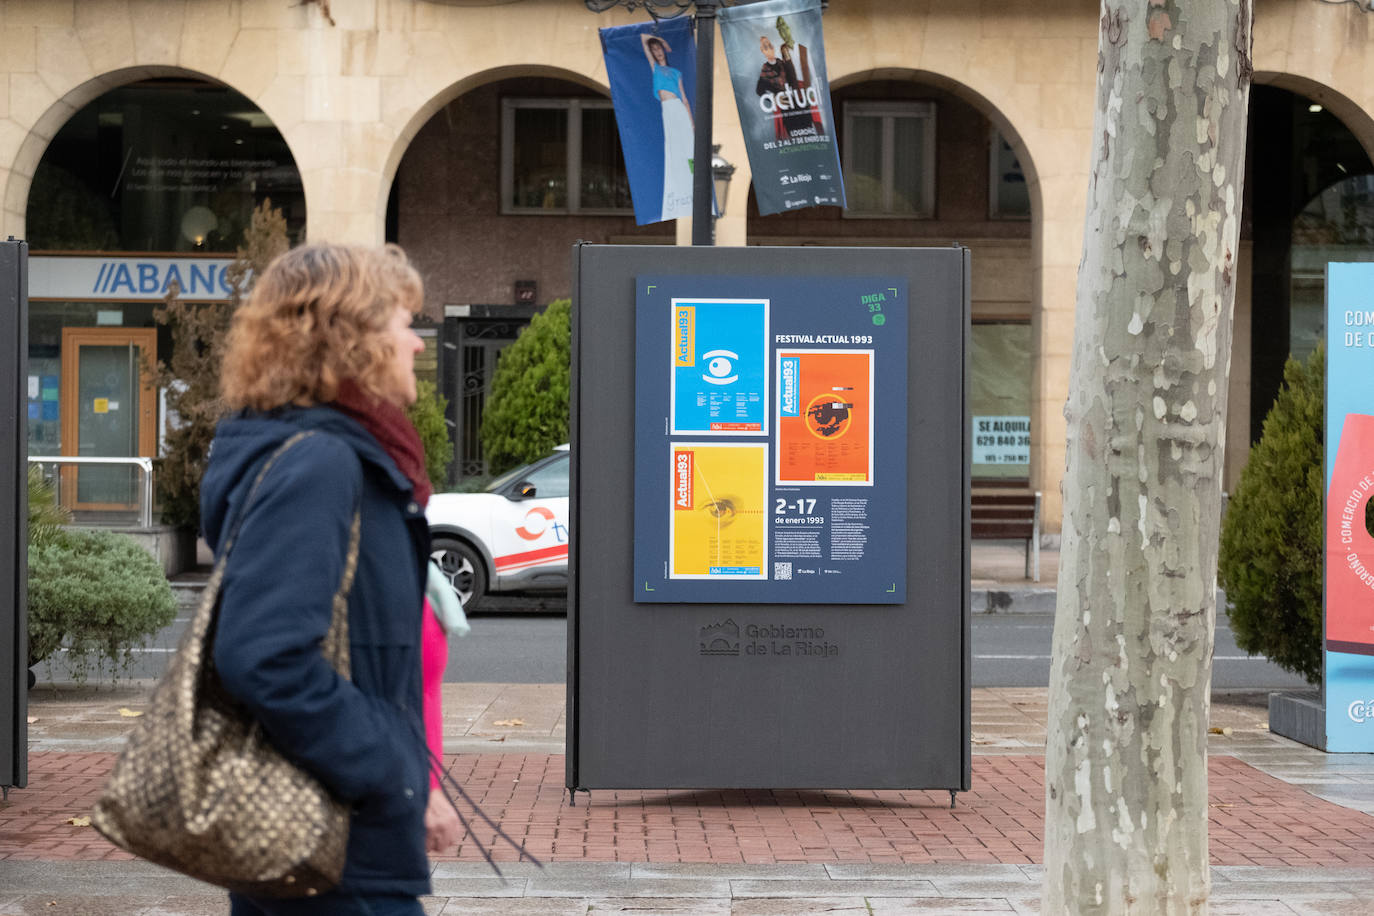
(789,685)
(803,499)
(1349,579)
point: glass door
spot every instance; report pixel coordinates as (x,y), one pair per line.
(108,410)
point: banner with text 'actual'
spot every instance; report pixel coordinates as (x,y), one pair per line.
(777,67)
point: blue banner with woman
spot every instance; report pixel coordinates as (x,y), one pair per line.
(777,66)
(652,70)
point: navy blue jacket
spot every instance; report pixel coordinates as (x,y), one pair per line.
(364,739)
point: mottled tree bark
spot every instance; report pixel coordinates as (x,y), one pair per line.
(1126,755)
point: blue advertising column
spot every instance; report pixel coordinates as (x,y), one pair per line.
(1349,549)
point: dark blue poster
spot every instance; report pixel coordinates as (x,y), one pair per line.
(652,70)
(770,431)
(777,67)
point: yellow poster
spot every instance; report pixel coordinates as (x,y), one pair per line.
(717,526)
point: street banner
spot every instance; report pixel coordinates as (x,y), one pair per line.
(777,66)
(1349,617)
(652,70)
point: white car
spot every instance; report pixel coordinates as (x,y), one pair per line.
(513,536)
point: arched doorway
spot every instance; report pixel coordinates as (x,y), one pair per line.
(488,199)
(149,182)
(1303,201)
(924,166)
(1336,225)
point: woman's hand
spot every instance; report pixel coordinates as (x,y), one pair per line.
(442,827)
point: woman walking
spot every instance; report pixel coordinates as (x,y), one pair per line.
(324,347)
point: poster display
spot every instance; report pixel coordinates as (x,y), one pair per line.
(825,417)
(777,67)
(1349,611)
(651,67)
(717,528)
(769,468)
(720,371)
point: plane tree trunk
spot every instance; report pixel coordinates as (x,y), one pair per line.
(1126,753)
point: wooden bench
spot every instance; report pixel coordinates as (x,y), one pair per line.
(1008,510)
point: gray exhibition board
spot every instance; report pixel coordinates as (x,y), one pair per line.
(742,680)
(14,385)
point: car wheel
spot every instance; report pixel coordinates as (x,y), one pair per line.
(464,570)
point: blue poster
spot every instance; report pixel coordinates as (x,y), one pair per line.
(1349,550)
(652,71)
(719,370)
(777,67)
(770,439)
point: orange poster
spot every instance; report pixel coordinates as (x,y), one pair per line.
(825,417)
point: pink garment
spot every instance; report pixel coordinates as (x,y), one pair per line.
(433,659)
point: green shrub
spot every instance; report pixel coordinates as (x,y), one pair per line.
(427,413)
(98,594)
(526,414)
(46,517)
(1270,562)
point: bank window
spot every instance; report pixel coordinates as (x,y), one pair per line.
(561,156)
(889,159)
(1008,194)
(999,398)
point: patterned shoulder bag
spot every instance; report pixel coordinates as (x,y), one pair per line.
(200,789)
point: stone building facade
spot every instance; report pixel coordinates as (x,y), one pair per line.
(394,112)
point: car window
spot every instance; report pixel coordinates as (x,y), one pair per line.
(517,474)
(551,480)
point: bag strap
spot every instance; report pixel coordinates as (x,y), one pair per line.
(257,483)
(436,764)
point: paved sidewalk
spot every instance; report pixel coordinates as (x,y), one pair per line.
(1291,828)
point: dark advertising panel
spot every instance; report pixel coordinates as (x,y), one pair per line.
(769,431)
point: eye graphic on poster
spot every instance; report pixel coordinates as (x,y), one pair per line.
(720,370)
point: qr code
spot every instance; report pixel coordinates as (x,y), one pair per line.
(782,570)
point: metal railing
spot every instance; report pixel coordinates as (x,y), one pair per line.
(145,465)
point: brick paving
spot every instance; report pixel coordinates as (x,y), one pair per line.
(1255,819)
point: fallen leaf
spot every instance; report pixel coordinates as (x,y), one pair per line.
(79,821)
(509,722)
(502,738)
(128,713)
(32,719)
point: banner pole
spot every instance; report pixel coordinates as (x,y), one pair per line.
(702,210)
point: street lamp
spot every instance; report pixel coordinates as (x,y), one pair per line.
(721,172)
(706,45)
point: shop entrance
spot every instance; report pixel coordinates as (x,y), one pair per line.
(109,410)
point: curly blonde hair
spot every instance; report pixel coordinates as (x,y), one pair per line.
(316,316)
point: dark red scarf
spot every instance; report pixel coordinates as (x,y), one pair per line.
(393,430)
